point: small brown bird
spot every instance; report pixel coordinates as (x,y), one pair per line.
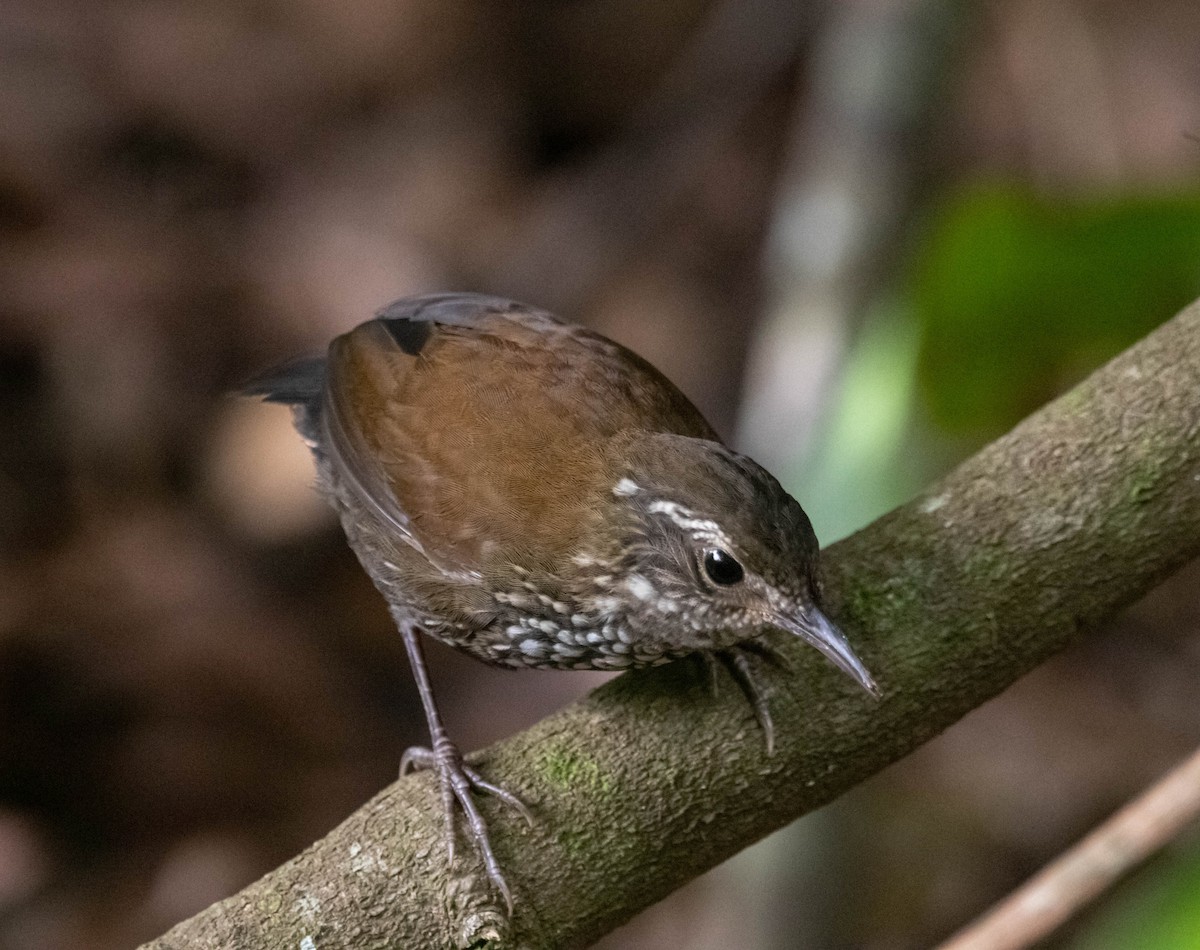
(535,495)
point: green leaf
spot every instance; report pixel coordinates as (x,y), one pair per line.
(1019,294)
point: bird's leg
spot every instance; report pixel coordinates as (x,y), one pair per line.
(712,671)
(457,779)
(744,671)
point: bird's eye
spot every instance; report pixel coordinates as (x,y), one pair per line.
(722,567)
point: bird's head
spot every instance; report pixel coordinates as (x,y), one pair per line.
(712,551)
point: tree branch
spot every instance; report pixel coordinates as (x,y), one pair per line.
(650,780)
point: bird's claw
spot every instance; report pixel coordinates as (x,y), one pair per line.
(738,661)
(458,782)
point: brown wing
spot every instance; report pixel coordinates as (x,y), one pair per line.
(477,425)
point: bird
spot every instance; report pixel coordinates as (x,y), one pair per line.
(538,496)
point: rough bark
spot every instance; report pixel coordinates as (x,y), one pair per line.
(651,780)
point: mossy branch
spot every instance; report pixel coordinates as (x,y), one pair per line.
(650,780)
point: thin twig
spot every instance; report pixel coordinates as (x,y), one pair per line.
(1064,887)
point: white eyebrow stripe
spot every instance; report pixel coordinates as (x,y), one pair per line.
(685,519)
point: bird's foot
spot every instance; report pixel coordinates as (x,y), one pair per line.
(744,663)
(459,782)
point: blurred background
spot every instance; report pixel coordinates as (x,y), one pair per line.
(866,237)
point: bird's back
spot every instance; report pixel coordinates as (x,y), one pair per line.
(486,426)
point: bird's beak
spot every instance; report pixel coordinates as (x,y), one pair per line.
(817,630)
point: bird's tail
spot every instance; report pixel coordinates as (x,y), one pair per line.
(298,384)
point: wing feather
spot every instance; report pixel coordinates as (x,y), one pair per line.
(477,426)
